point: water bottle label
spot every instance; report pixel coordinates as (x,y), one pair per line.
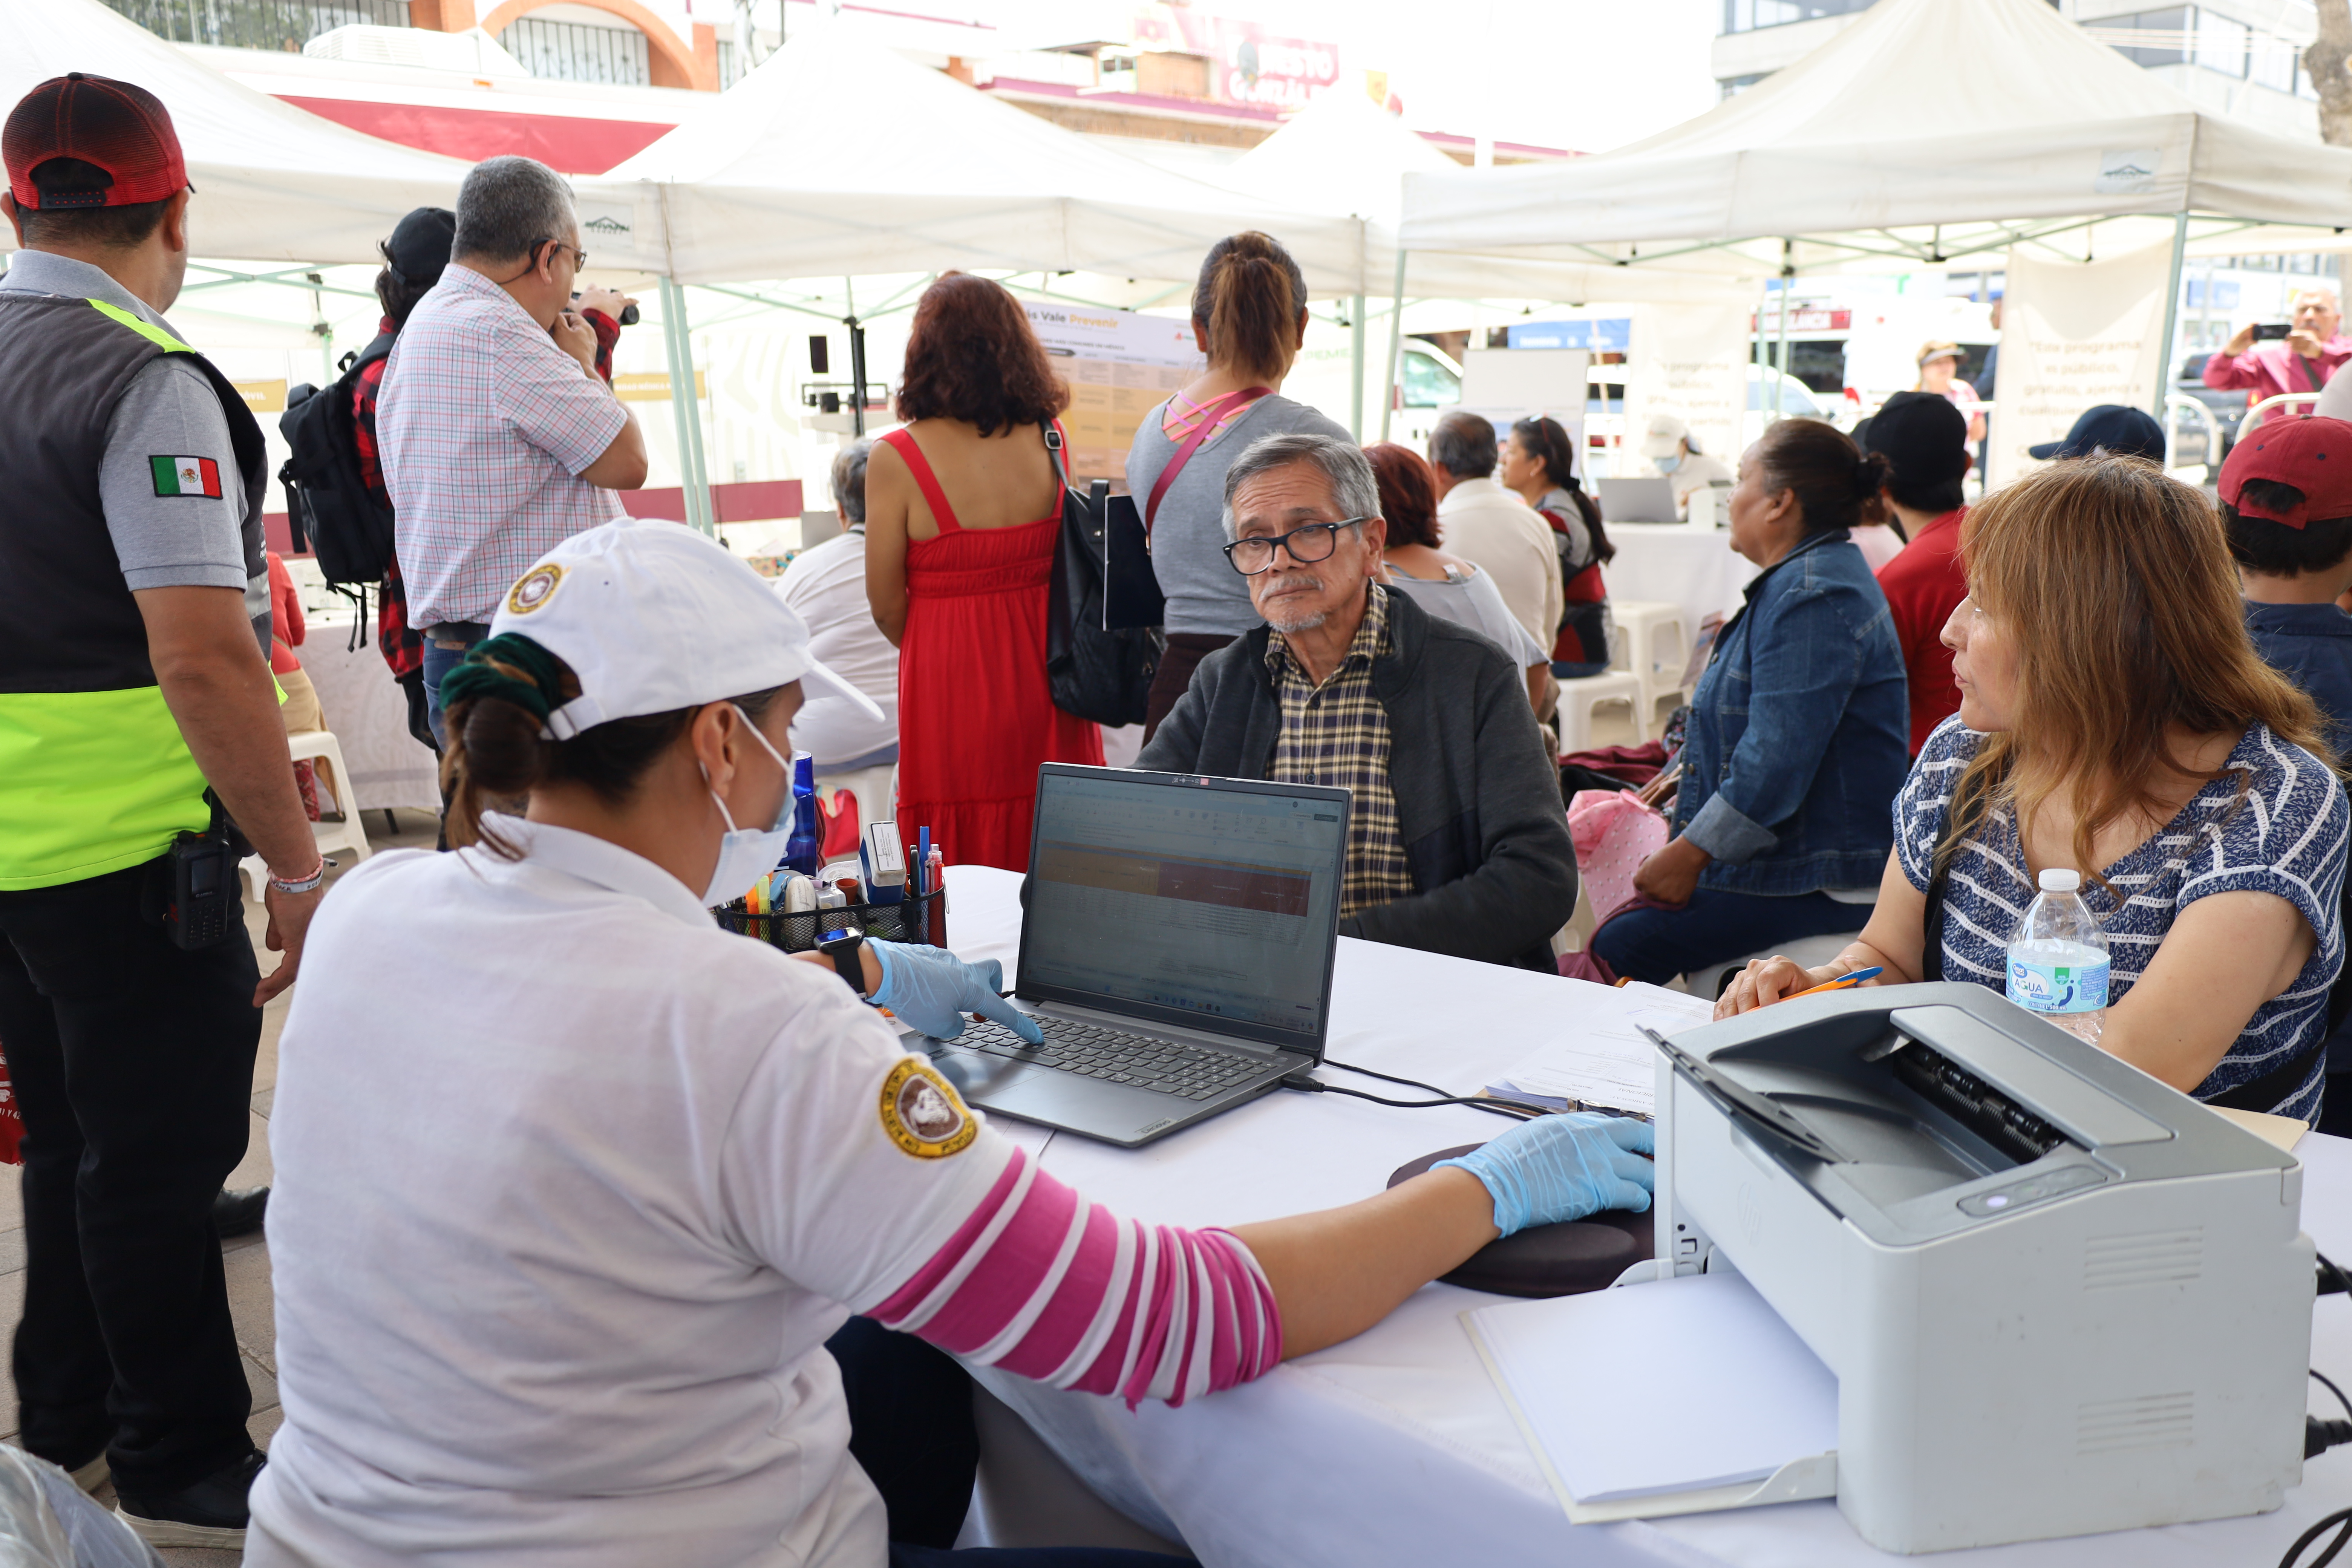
(2058,987)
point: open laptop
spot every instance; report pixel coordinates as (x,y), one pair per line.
(1635,501)
(1176,950)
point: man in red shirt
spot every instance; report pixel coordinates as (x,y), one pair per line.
(1926,441)
(2301,361)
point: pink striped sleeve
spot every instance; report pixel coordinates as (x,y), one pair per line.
(1043,1283)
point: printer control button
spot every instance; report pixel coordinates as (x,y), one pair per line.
(2033,1189)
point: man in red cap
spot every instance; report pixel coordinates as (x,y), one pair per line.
(134,694)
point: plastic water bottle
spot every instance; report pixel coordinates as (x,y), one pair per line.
(805,848)
(2058,959)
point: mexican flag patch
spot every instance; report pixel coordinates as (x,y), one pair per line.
(186,475)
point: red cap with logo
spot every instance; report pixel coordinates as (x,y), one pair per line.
(121,129)
(2315,456)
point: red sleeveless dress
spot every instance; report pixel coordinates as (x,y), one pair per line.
(975,715)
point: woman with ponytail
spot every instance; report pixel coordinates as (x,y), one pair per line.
(1798,736)
(1540,464)
(1249,316)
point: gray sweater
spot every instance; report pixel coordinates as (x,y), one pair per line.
(1478,806)
(1205,594)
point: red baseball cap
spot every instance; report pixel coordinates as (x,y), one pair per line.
(2313,455)
(123,130)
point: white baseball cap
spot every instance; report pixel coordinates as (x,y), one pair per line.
(1664,430)
(653,616)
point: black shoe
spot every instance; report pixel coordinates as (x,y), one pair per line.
(239,1213)
(210,1513)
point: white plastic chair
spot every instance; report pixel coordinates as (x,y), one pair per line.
(1579,697)
(1653,646)
(333,838)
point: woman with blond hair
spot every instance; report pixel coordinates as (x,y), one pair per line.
(2115,719)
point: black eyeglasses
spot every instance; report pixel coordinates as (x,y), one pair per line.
(1306,545)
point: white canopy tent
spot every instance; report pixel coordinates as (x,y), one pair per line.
(273,182)
(2036,136)
(837,157)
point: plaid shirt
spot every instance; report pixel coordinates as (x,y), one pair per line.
(484,425)
(1337,733)
(401,645)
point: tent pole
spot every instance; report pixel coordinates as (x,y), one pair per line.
(1396,346)
(1788,280)
(686,408)
(2171,317)
(1356,360)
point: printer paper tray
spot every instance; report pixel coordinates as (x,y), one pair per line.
(1795,1482)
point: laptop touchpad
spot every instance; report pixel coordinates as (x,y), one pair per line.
(1083,1104)
(979,1076)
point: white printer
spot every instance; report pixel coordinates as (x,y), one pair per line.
(2058,1296)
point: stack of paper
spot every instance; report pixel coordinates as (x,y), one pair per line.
(1600,1060)
(1673,1397)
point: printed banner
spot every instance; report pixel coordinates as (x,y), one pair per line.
(2073,334)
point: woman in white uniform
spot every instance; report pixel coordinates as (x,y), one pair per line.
(572,1186)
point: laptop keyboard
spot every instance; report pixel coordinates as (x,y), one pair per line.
(1114,1056)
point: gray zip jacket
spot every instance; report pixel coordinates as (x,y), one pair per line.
(1478,803)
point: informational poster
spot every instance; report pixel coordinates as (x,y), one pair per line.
(1691,359)
(1120,366)
(2073,334)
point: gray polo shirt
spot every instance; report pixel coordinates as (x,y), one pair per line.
(169,410)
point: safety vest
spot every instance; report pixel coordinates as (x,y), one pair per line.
(94,774)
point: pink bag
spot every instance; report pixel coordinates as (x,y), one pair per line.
(1613,834)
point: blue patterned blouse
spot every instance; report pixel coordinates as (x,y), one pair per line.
(2275,822)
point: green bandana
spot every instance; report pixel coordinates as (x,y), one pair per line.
(478,676)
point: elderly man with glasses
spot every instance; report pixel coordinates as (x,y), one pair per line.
(1456,840)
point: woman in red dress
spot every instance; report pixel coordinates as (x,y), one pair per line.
(963,508)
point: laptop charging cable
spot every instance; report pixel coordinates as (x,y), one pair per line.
(1305,1081)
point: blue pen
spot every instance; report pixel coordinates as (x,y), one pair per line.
(922,862)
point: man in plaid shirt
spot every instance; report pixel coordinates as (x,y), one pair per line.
(499,439)
(1457,841)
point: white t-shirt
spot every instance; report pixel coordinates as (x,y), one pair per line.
(572,1187)
(826,585)
(1505,538)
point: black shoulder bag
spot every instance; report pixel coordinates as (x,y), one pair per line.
(1095,670)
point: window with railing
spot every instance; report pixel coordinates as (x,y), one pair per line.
(1748,15)
(578,51)
(284,24)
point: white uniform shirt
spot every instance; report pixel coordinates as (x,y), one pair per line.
(572,1187)
(1508,540)
(1696,472)
(826,585)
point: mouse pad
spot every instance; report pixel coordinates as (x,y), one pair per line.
(1564,1259)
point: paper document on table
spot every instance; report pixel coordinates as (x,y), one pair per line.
(1670,1397)
(1601,1058)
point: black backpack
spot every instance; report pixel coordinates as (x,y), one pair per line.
(1094,672)
(327,499)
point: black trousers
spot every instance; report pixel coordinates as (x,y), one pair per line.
(132,1064)
(910,1427)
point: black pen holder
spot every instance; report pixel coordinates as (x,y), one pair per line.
(913,920)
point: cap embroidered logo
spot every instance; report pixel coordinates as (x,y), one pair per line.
(534,590)
(923,1114)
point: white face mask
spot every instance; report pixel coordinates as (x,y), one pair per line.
(747,854)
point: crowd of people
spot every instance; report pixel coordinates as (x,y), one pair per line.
(597,1304)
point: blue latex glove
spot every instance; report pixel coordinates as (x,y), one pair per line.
(931,989)
(1564,1167)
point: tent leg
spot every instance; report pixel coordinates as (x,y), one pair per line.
(1356,362)
(1788,283)
(2171,318)
(686,408)
(1396,347)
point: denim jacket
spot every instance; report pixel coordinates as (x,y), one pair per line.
(1798,734)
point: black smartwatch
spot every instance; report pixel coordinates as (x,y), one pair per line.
(842,947)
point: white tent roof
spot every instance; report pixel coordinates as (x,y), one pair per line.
(836,157)
(273,182)
(1986,118)
(1343,153)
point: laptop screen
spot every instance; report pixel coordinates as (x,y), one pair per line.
(1212,902)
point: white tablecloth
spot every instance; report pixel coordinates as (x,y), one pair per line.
(1394,1448)
(368,713)
(1669,564)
